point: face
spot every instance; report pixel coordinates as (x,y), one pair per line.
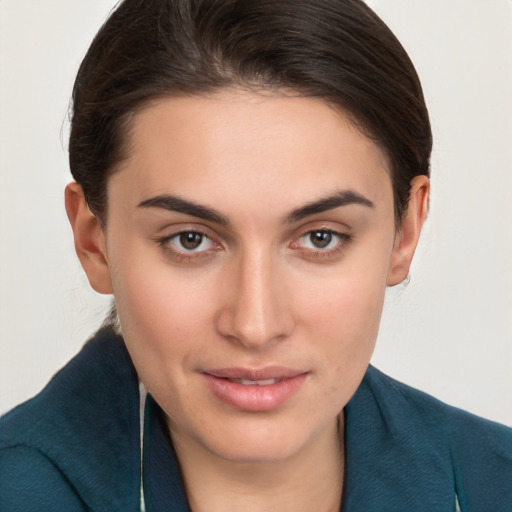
(249,242)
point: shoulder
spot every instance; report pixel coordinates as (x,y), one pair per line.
(77,440)
(412,405)
(479,450)
(32,482)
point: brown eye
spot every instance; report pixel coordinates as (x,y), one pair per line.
(191,240)
(187,242)
(321,239)
(189,246)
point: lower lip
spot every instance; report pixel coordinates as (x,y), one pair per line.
(255,398)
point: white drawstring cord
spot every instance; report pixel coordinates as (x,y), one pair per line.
(142,408)
(457,504)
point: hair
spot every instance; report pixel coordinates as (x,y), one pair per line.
(337,50)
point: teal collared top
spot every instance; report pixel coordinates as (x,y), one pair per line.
(76,447)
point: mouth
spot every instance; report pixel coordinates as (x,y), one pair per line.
(255,390)
(248,382)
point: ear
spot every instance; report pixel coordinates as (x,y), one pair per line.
(407,238)
(89,239)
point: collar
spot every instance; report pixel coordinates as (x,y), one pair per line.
(397,453)
(397,449)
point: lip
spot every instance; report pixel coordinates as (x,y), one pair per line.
(226,386)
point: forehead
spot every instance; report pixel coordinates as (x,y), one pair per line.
(251,146)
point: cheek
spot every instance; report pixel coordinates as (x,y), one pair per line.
(161,308)
(343,317)
(166,323)
(346,302)
(348,320)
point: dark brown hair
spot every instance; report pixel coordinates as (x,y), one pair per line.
(337,50)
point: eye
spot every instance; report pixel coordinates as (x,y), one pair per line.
(190,241)
(322,244)
(322,239)
(189,246)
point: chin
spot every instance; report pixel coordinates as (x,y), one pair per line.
(255,451)
(260,440)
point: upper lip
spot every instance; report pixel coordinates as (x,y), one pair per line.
(269,372)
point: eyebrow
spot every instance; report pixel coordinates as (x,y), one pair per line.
(340,198)
(176,204)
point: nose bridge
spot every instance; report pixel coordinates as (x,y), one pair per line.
(257,313)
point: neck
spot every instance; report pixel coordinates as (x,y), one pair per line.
(309,480)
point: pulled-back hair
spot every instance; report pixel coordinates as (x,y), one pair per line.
(336,50)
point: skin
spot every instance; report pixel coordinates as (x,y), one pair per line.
(256,291)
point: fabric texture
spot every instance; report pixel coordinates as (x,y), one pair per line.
(76,447)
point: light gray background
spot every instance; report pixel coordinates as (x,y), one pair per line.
(449,332)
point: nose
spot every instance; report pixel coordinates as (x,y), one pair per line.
(256,311)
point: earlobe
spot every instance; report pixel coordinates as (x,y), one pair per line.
(407,238)
(89,239)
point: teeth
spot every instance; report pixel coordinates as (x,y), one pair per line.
(247,382)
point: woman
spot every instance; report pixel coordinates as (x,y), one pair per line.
(250,177)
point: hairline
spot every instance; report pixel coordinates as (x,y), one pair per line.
(126,124)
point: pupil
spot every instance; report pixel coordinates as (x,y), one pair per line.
(191,240)
(321,239)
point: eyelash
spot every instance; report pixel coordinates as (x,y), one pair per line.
(343,239)
(183,255)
